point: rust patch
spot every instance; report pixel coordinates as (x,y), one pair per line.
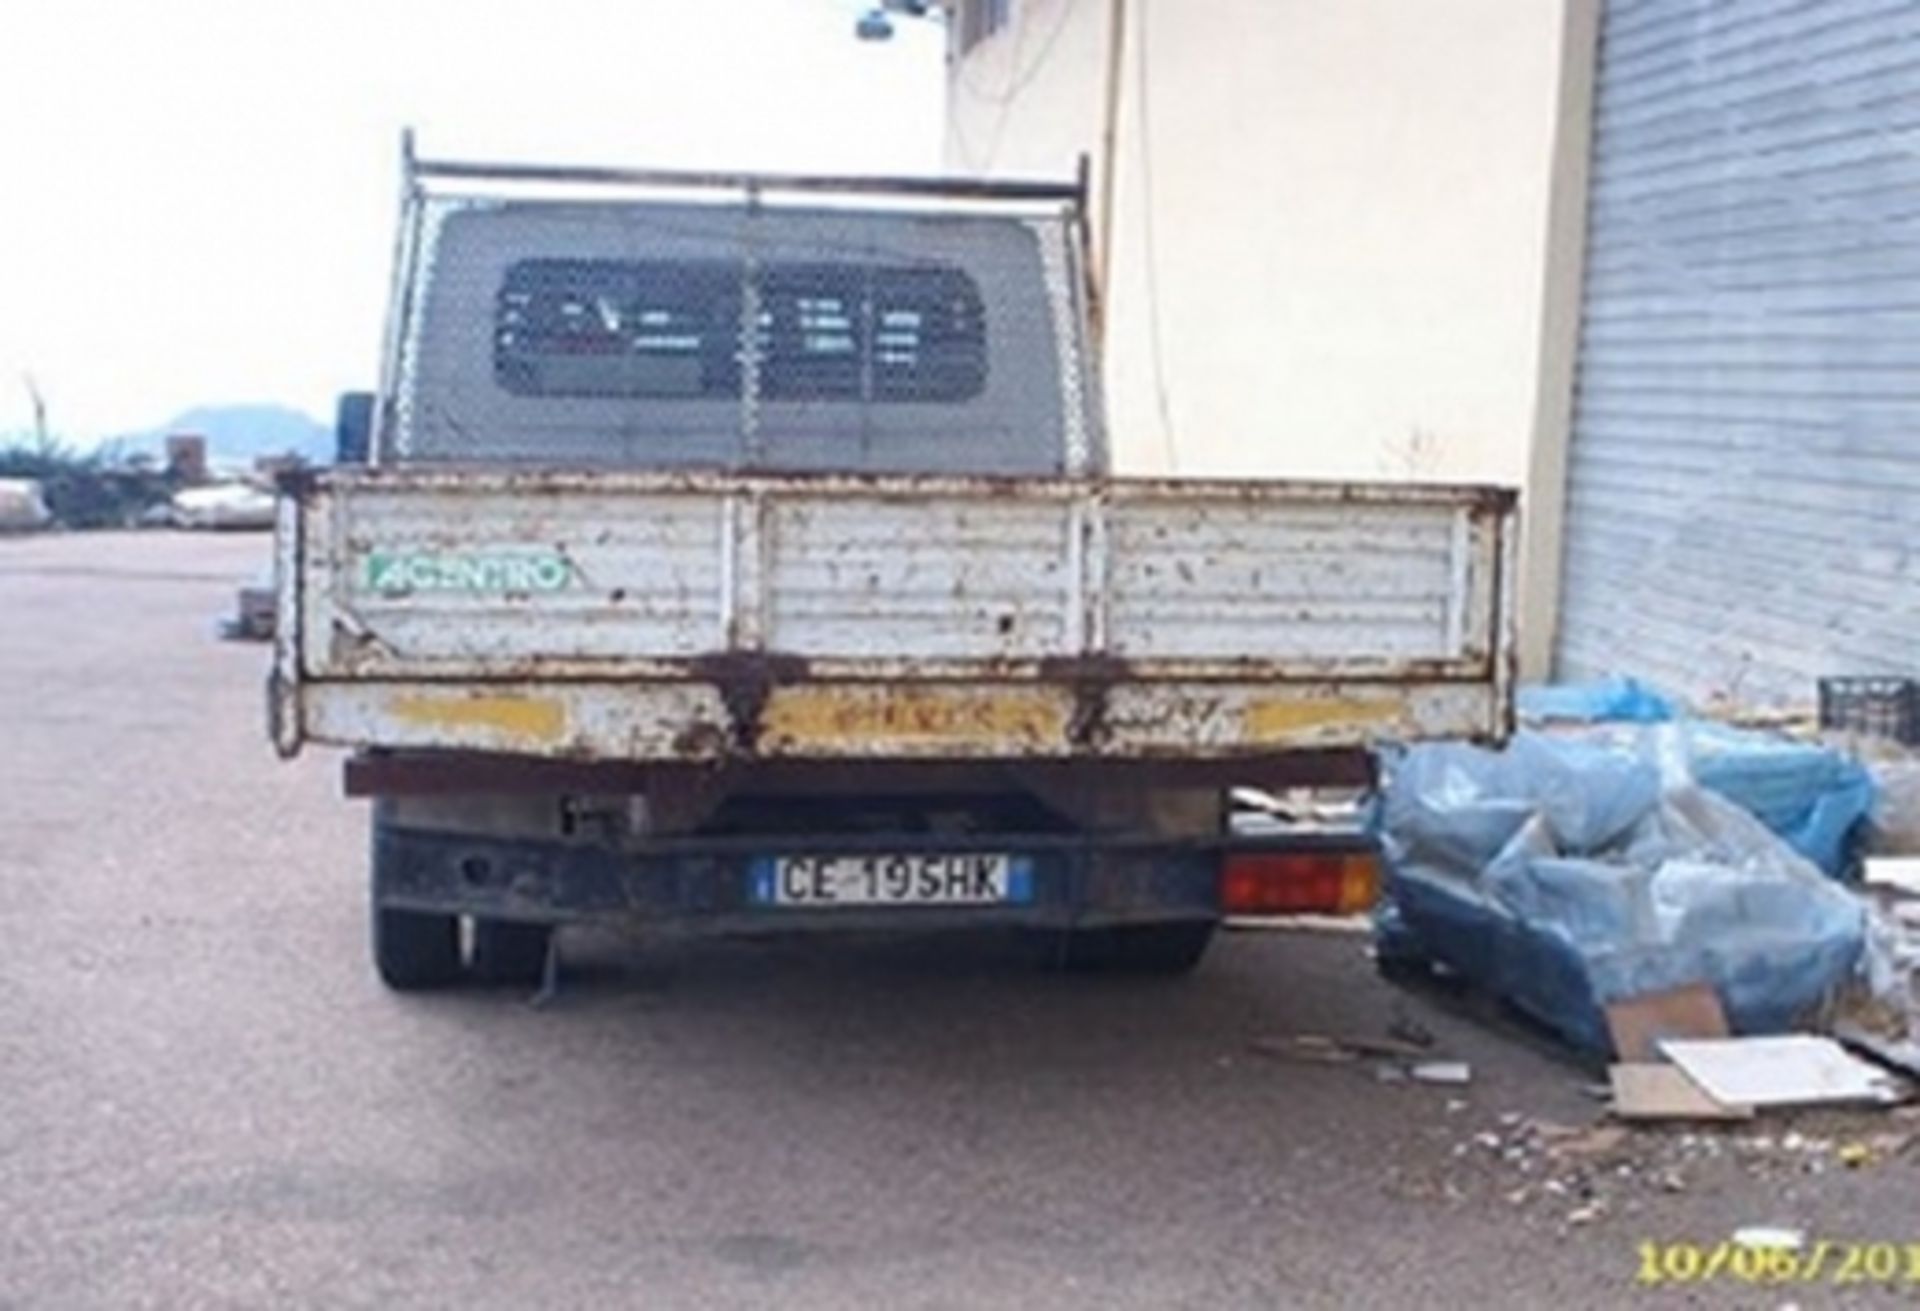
(700,741)
(1091,679)
(975,720)
(744,681)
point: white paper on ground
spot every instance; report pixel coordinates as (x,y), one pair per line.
(1791,1070)
(1901,872)
(1771,1237)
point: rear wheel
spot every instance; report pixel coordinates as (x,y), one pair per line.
(510,952)
(415,950)
(1140,948)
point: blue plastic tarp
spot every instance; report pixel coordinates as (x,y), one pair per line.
(1567,873)
(1608,700)
(1813,796)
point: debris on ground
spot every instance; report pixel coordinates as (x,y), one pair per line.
(1442,1072)
(1896,874)
(253,617)
(1683,1065)
(1554,1172)
(1881,1018)
(1787,1070)
(1309,1048)
(1394,1060)
(1389,1047)
(1601,1140)
(1902,1054)
(1407,1052)
(1638,1024)
(1773,1238)
(1407,1029)
(1653,1091)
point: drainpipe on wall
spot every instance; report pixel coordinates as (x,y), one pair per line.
(1544,498)
(1109,168)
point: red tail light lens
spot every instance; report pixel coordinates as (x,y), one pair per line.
(1299,882)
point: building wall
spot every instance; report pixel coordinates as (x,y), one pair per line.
(1744,468)
(1336,252)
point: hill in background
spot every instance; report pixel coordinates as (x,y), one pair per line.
(237,434)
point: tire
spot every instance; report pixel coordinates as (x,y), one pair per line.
(1164,949)
(415,951)
(507,952)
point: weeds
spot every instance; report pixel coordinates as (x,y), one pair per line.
(105,488)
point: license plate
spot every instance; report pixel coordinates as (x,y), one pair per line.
(900,880)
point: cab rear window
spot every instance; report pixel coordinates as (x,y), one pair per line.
(676,330)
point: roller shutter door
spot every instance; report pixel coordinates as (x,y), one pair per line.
(1744,477)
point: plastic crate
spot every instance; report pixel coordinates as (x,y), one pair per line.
(1873,705)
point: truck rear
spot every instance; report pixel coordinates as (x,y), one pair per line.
(730,556)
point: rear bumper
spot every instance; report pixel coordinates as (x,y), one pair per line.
(703,885)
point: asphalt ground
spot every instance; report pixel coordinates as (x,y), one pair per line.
(206,1099)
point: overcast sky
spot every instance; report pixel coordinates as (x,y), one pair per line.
(197,196)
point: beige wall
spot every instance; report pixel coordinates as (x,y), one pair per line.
(1336,252)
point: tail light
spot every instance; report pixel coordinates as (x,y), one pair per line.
(1299,882)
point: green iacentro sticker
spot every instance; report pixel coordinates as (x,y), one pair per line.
(480,571)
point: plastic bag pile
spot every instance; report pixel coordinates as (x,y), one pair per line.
(1570,871)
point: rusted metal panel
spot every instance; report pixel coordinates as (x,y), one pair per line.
(426,575)
(707,616)
(903,719)
(891,720)
(1196,578)
(1215,719)
(580,721)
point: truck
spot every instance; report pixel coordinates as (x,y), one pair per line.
(742,554)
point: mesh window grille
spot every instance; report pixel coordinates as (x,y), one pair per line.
(648,333)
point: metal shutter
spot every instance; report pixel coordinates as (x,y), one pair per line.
(1744,478)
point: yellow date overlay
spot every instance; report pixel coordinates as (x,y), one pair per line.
(1815,1261)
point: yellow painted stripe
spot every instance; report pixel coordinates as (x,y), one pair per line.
(536,720)
(1286,718)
